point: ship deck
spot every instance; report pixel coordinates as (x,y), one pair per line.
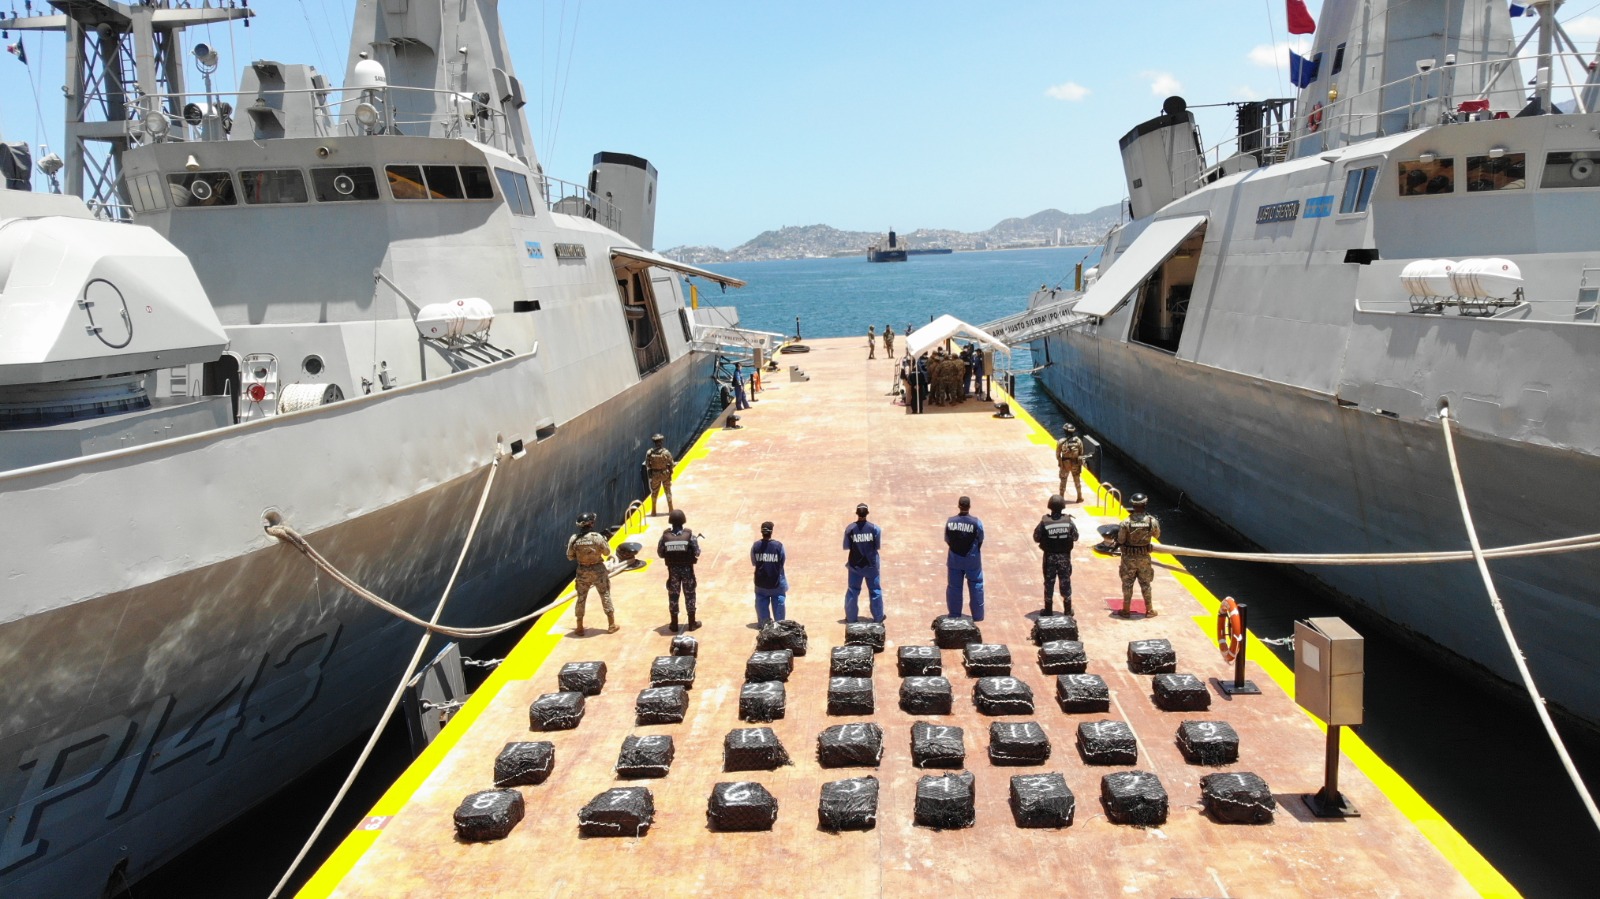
(808,453)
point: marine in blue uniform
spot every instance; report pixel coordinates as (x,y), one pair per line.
(772,586)
(862,541)
(963,534)
(680,550)
(1056,533)
(740,401)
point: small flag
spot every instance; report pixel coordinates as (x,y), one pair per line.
(17,51)
(1300,21)
(1303,71)
(1521,9)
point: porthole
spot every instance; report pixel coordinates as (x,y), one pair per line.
(313,365)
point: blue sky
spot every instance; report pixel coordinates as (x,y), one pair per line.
(860,115)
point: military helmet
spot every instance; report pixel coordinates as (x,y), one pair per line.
(677,519)
(1138,501)
(587,519)
(658,437)
(1069,428)
(1057,503)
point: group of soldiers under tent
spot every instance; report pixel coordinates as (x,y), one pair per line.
(933,371)
(1055,534)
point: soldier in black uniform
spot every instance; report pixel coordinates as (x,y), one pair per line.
(1056,533)
(680,550)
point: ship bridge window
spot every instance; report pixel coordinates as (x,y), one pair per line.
(336,185)
(202,189)
(1580,169)
(146,193)
(1425,177)
(515,186)
(1358,189)
(273,186)
(405,182)
(475,181)
(1506,172)
(444,182)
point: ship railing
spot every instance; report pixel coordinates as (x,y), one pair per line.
(1445,95)
(121,213)
(1042,321)
(333,112)
(576,199)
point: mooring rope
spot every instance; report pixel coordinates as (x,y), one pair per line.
(405,676)
(1520,550)
(1481,558)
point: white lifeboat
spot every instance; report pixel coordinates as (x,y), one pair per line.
(456,319)
(1486,278)
(1429,278)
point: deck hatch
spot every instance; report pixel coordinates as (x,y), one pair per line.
(1159,241)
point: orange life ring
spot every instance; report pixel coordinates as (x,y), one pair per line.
(1314,119)
(1230,629)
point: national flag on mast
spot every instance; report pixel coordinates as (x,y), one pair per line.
(17,51)
(1300,21)
(1303,71)
(1521,9)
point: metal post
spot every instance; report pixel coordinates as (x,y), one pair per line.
(1329,802)
(1240,686)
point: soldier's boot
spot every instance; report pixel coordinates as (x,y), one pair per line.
(1066,605)
(1049,606)
(1127,606)
(693,623)
(611,623)
(1149,607)
(577,627)
(1080,495)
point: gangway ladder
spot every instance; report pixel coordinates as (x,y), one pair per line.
(1039,321)
(734,343)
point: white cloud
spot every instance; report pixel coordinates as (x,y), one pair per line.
(1276,55)
(1246,92)
(1162,84)
(1069,90)
(1586,28)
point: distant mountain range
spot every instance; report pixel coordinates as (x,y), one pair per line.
(1049,228)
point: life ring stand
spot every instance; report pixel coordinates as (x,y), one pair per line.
(1230,629)
(1314,119)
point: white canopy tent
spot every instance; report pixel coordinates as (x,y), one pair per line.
(924,339)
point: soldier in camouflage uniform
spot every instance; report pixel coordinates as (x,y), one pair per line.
(1134,536)
(888,340)
(590,550)
(1069,452)
(658,462)
(1056,533)
(680,550)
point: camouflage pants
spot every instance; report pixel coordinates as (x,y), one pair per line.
(1136,568)
(593,576)
(680,578)
(888,346)
(1072,472)
(660,480)
(1058,567)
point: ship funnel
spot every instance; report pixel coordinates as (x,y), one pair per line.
(1161,158)
(628,183)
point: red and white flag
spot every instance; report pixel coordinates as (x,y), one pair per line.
(1300,21)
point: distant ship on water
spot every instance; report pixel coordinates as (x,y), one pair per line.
(889,251)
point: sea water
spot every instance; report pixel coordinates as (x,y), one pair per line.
(1473,751)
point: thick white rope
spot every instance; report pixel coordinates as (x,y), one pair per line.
(1505,625)
(400,688)
(1542,548)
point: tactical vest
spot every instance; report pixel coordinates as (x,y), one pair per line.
(586,548)
(1069,450)
(677,547)
(1136,535)
(1059,534)
(658,460)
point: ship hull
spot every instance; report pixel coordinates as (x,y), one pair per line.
(1294,471)
(886,256)
(140,719)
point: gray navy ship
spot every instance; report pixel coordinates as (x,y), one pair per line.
(334,307)
(1275,328)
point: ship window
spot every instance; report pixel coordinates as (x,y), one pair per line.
(444,183)
(146,193)
(405,182)
(202,189)
(1338,59)
(1427,177)
(1570,170)
(515,186)
(336,185)
(273,186)
(1508,172)
(1358,189)
(475,180)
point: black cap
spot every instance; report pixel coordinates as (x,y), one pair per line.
(766,527)
(861,509)
(965,503)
